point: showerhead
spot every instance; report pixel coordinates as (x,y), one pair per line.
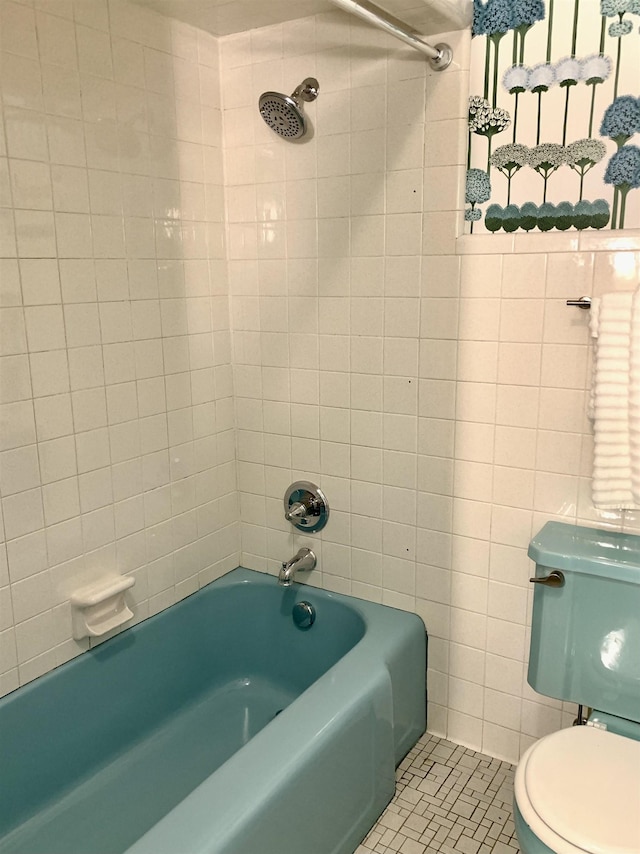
(284,113)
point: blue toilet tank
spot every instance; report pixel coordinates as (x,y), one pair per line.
(585,635)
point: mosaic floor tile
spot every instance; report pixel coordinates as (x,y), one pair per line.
(449,800)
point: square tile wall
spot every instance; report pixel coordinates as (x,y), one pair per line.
(434,386)
(117,445)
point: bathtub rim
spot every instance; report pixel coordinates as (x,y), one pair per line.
(356,673)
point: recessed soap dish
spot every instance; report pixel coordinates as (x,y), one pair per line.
(100,607)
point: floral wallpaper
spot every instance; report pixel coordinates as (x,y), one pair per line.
(554,116)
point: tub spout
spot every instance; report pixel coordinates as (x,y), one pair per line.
(303,561)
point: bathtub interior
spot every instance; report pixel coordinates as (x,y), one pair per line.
(118,737)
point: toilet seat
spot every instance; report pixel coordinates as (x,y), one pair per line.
(579,791)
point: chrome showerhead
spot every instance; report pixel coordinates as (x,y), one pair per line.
(284,113)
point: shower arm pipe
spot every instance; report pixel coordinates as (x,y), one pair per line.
(439,55)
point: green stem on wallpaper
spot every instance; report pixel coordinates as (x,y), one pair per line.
(523,32)
(473,204)
(623,204)
(544,194)
(494,96)
(593,103)
(539,117)
(614,210)
(617,77)
(603,30)
(495,38)
(515,116)
(566,116)
(581,183)
(574,36)
(469,150)
(514,54)
(487,62)
(549,30)
(489,138)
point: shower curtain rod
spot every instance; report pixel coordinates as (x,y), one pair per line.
(439,56)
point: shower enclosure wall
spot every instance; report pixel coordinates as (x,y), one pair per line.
(116,410)
(432,386)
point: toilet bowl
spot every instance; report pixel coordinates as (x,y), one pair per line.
(577,791)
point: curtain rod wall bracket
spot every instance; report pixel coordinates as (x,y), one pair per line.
(439,57)
(444,58)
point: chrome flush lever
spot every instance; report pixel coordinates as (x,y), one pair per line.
(554,579)
(582,302)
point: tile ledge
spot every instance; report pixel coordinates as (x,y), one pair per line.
(586,241)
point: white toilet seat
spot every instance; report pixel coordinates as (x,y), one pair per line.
(579,792)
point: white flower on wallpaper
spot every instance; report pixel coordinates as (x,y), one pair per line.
(553,115)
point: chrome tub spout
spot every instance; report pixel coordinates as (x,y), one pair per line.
(303,561)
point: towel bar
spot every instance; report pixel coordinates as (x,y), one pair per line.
(582,302)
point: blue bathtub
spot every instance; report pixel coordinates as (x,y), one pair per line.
(217,726)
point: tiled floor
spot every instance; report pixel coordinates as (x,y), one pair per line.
(448,799)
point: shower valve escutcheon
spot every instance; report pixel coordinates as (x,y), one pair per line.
(306,506)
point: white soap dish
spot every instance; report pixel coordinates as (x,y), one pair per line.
(100,607)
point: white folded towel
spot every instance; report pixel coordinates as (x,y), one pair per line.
(611,403)
(612,499)
(634,397)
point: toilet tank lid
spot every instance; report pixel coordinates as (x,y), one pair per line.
(575,548)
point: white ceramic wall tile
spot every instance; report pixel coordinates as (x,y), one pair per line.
(84,400)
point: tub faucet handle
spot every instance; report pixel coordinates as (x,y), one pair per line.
(296,511)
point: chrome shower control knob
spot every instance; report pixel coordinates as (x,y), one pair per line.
(296,511)
(306,506)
